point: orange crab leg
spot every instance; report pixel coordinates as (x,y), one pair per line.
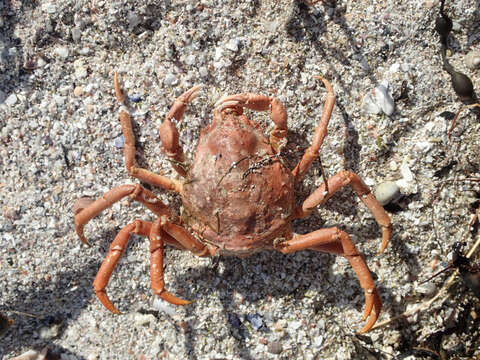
(169,133)
(156,238)
(86,209)
(129,149)
(117,248)
(320,132)
(258,102)
(333,240)
(335,183)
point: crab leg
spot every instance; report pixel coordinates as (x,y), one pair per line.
(320,132)
(257,102)
(157,237)
(117,248)
(333,240)
(85,209)
(129,148)
(337,182)
(169,133)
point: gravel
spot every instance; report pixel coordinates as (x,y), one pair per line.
(60,139)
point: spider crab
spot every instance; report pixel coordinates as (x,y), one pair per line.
(238,196)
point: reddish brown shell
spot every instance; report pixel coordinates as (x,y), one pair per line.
(238,194)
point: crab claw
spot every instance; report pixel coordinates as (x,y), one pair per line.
(78,207)
(103,297)
(373,305)
(172,299)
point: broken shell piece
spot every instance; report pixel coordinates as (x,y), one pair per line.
(369,104)
(387,192)
(379,100)
(472,59)
(384,100)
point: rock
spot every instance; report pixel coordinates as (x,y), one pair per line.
(78,91)
(62,52)
(428,289)
(275,347)
(170,79)
(472,59)
(11,100)
(203,71)
(76,34)
(255,320)
(143,319)
(119,142)
(233,45)
(386,192)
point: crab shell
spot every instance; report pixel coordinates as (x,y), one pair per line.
(238,195)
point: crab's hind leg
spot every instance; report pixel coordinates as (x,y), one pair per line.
(258,102)
(320,132)
(157,238)
(333,240)
(129,148)
(117,248)
(86,209)
(339,181)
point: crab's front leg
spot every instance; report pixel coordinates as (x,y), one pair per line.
(169,133)
(258,102)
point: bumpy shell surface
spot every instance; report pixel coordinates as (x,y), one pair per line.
(238,195)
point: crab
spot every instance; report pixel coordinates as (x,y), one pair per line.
(238,195)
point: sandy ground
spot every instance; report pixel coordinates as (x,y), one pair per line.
(60,139)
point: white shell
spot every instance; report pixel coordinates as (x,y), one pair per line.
(378,101)
(369,104)
(472,59)
(384,100)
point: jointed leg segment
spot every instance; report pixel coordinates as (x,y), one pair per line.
(85,210)
(320,132)
(258,102)
(333,240)
(335,183)
(129,149)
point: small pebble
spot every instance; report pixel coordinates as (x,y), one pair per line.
(143,319)
(203,71)
(76,34)
(119,142)
(49,332)
(170,79)
(11,100)
(233,45)
(161,305)
(427,289)
(472,59)
(78,91)
(234,320)
(41,62)
(386,192)
(275,347)
(369,104)
(62,52)
(255,320)
(135,98)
